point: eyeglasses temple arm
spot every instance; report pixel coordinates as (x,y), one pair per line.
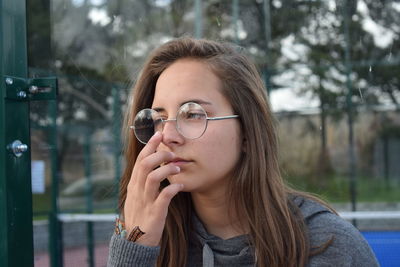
(223,118)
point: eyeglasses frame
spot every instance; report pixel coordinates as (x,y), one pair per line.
(176,125)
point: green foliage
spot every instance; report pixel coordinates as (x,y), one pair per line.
(390,129)
(41,202)
(336,188)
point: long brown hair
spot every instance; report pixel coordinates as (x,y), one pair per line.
(277,231)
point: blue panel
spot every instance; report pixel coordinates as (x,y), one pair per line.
(386,246)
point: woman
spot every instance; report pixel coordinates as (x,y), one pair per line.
(202,185)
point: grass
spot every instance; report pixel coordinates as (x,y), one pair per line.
(41,206)
(41,203)
(332,188)
(336,188)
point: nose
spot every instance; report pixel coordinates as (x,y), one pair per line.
(170,133)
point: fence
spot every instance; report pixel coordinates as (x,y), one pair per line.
(78,252)
(343,143)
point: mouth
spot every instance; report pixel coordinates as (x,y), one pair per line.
(179,162)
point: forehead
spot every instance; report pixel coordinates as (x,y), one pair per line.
(187,79)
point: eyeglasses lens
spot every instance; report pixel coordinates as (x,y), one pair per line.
(191,122)
(144,125)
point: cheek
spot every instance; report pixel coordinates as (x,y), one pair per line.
(221,149)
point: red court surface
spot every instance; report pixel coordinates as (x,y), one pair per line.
(76,257)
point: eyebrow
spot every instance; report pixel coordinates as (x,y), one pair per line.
(197,101)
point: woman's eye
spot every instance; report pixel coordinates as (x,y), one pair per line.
(157,122)
(195,116)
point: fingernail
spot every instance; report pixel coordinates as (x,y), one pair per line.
(178,169)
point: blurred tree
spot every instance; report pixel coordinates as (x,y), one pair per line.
(96,45)
(322,66)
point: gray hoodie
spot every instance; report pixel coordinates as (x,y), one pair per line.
(349,248)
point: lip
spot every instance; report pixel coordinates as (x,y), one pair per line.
(179,162)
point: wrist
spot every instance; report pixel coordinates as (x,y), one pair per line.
(132,236)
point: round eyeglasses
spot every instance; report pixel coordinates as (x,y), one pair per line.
(191,122)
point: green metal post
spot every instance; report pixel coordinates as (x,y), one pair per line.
(89,200)
(117,138)
(199,19)
(55,234)
(351,151)
(386,160)
(267,26)
(235,18)
(267,22)
(16,230)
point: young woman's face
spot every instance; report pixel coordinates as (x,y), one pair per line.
(207,162)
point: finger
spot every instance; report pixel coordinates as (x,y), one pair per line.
(149,164)
(152,186)
(144,166)
(151,146)
(164,198)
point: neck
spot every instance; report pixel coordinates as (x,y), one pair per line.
(213,211)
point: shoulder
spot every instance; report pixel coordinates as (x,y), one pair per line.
(348,247)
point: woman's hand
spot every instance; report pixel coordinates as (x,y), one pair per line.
(145,205)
